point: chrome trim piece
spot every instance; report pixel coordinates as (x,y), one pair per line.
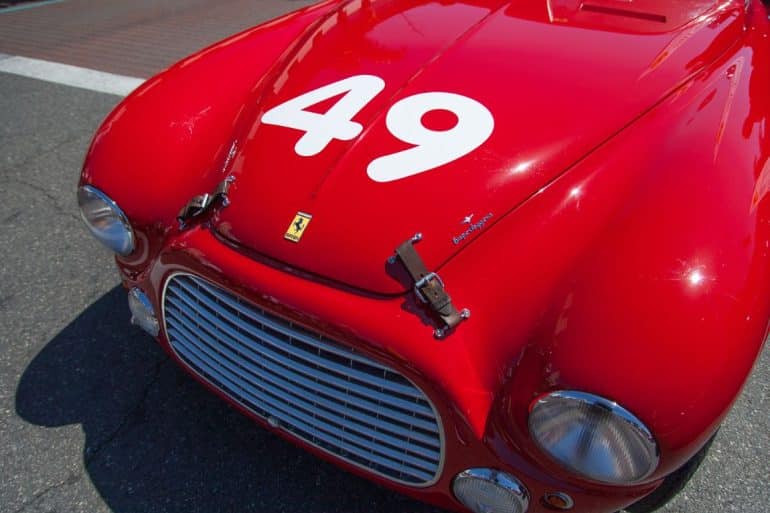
(498,478)
(143,312)
(329,396)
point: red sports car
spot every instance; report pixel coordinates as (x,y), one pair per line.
(499,256)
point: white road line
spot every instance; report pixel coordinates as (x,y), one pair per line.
(65,74)
(31,5)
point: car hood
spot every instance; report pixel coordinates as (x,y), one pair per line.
(558,79)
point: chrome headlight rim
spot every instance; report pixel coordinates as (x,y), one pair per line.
(616,411)
(116,211)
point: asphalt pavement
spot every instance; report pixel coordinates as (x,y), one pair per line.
(95,418)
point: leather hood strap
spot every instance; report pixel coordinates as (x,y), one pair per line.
(429,288)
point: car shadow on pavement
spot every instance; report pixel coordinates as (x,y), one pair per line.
(156,440)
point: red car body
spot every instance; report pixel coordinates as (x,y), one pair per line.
(625,247)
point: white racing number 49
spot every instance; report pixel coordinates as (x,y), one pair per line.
(432,148)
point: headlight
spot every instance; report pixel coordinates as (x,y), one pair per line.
(105,220)
(486,490)
(593,437)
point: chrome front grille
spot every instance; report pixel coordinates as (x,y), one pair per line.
(328,395)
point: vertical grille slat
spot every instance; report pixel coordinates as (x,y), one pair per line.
(320,391)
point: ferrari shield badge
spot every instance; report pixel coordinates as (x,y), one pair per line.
(298,226)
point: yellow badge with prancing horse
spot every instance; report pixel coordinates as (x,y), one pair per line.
(298,226)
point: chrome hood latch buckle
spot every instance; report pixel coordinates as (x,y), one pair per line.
(429,288)
(203,203)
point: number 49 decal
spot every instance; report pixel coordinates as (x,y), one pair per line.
(432,148)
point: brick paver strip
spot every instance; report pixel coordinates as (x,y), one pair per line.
(136,38)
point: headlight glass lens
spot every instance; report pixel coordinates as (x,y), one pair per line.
(593,437)
(105,220)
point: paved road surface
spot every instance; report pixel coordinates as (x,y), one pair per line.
(93,417)
(137,37)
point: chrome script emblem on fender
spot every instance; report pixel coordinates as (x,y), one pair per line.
(471,227)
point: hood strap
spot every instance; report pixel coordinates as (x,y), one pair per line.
(429,288)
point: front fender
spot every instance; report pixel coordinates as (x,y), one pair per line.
(641,275)
(170,139)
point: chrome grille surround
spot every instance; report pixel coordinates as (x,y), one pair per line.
(325,394)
